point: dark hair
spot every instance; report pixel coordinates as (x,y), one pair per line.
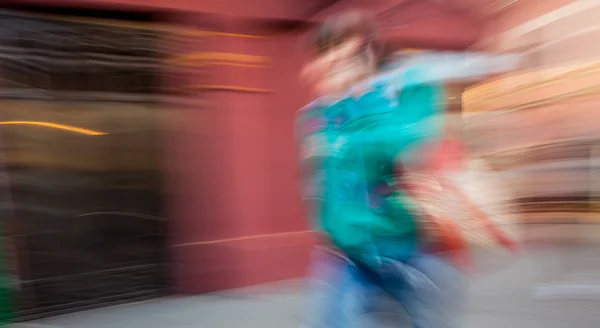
(341,27)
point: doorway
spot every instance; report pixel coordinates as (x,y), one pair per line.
(80,133)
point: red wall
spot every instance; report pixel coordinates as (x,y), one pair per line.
(236,217)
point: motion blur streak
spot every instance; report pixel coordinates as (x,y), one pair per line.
(57,126)
(148,149)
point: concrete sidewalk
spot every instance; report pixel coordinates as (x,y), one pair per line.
(506,298)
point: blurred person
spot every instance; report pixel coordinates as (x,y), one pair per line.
(365,124)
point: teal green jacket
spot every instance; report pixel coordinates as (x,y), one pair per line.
(350,149)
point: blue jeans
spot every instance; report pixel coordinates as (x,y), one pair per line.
(344,295)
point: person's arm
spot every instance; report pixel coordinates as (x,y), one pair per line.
(416,119)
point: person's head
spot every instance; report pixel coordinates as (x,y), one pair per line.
(345,51)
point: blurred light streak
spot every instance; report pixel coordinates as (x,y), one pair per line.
(227,87)
(557,40)
(214,33)
(137,25)
(242,238)
(530,80)
(551,17)
(581,93)
(69,128)
(224,63)
(121,213)
(503,6)
(524,148)
(226,56)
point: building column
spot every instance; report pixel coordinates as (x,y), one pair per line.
(221,160)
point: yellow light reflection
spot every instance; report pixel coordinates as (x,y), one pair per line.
(57,126)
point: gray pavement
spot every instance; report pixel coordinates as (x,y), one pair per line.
(549,287)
